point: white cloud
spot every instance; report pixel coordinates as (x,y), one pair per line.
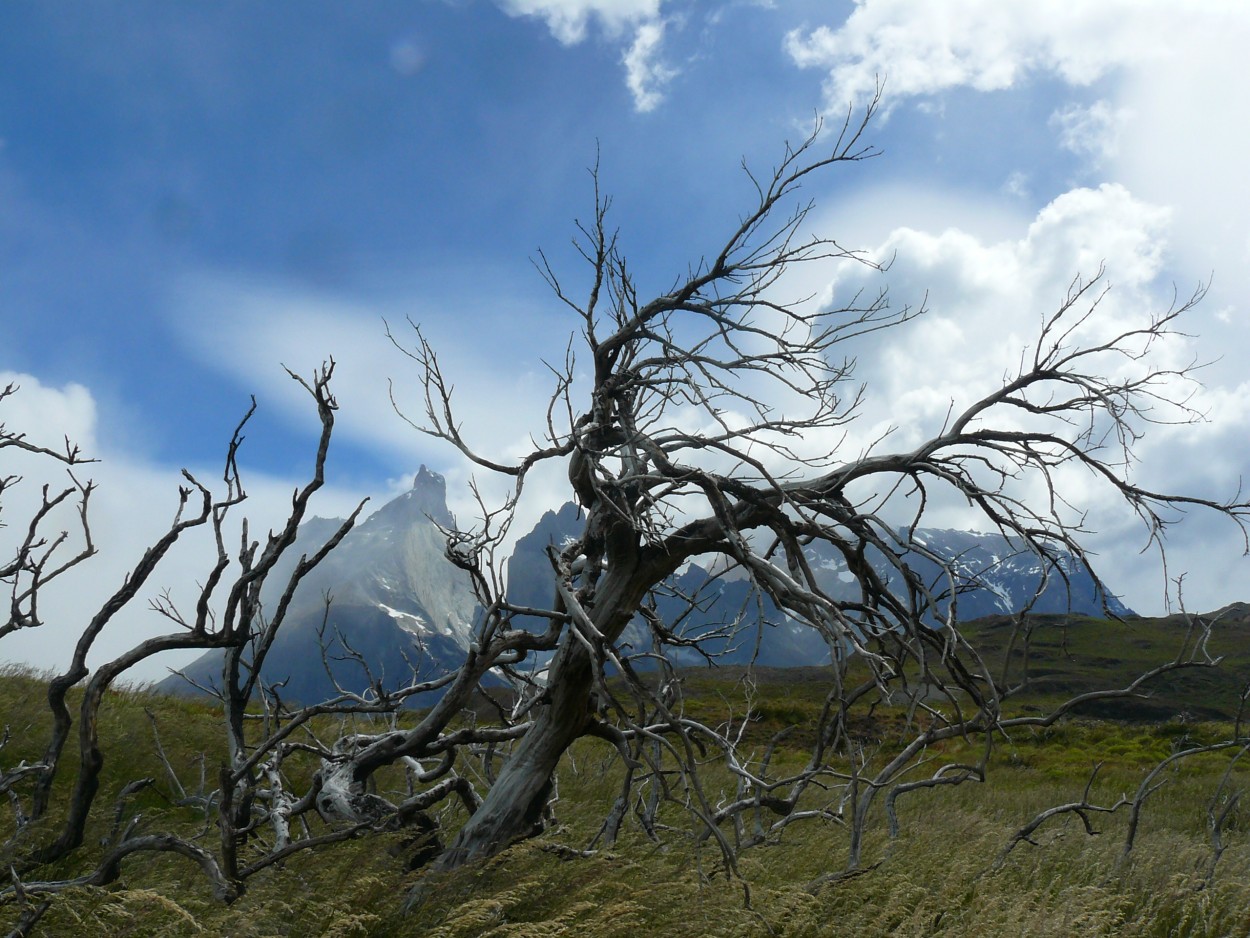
(568,19)
(246,328)
(1092,131)
(645,72)
(993,44)
(132,505)
(1165,132)
(47,415)
(987,298)
(1017,185)
(1185,147)
(1171,132)
(249,328)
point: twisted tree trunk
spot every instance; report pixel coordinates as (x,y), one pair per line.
(513,808)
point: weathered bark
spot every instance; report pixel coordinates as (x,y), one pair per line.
(513,808)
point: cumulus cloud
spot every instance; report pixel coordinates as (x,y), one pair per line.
(1175,68)
(1184,146)
(987,300)
(47,415)
(1160,128)
(987,297)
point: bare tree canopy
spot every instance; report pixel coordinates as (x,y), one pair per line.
(678,448)
(706,423)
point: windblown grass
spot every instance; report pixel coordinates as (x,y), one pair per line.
(938,878)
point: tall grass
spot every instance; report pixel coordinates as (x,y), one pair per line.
(937,878)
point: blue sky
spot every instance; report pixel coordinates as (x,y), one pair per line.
(192,195)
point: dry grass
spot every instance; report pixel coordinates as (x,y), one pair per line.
(935,879)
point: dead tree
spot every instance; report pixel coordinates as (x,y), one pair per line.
(259,816)
(691,440)
(237,622)
(686,443)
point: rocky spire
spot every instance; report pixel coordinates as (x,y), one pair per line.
(429,494)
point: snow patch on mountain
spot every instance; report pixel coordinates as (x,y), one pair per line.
(409,622)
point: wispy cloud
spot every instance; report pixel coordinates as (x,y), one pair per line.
(637,22)
(569,20)
(244,327)
(646,74)
(1093,131)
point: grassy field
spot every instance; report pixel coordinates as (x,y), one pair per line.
(939,876)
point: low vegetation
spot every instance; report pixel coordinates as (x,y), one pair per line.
(957,863)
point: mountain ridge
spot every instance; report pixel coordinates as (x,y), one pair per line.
(387,603)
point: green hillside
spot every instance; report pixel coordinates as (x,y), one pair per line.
(1076,655)
(940,875)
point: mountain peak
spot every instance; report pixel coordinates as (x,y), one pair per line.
(429,496)
(428,479)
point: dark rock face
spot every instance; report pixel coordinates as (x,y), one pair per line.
(429,496)
(529,568)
